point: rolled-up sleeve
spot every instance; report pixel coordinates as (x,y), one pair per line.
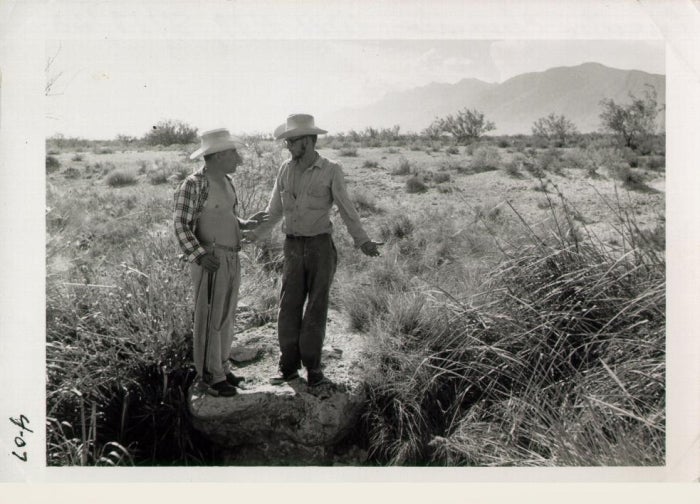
(183,218)
(347,210)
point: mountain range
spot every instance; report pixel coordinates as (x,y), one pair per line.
(512,105)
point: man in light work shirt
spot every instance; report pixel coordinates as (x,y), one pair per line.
(207,228)
(306,187)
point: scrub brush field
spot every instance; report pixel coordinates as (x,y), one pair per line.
(516,316)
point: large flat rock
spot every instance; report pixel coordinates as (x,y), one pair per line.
(277,422)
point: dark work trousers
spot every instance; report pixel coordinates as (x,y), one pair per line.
(309,266)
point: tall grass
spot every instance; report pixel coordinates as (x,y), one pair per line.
(493,341)
(556,359)
(119,321)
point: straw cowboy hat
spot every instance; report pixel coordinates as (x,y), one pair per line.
(297,125)
(217,140)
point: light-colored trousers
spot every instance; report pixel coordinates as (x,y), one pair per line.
(218,313)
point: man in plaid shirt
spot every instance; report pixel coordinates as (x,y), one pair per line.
(208,228)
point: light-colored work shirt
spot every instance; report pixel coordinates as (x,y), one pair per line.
(303,202)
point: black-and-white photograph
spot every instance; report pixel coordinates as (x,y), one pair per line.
(456,257)
(341,252)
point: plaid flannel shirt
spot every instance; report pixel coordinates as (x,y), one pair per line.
(189,202)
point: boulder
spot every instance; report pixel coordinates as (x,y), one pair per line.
(290,423)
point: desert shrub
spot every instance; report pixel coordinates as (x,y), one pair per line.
(71,173)
(397,226)
(171,132)
(452,149)
(403,167)
(158,176)
(77,157)
(514,167)
(370,164)
(577,158)
(630,178)
(485,158)
(415,184)
(465,126)
(103,150)
(52,164)
(121,178)
(655,162)
(549,160)
(441,177)
(554,128)
(348,152)
(634,123)
(180,172)
(364,203)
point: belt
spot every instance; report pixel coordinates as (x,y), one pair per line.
(222,247)
(296,237)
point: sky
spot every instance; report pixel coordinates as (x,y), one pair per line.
(111,87)
(246,65)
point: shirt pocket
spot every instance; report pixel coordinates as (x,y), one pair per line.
(319,197)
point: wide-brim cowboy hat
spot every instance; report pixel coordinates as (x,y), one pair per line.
(297,125)
(217,140)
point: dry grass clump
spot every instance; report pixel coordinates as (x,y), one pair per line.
(121,178)
(557,360)
(404,167)
(415,184)
(442,177)
(549,160)
(514,167)
(119,330)
(348,152)
(486,158)
(118,364)
(52,164)
(365,204)
(370,164)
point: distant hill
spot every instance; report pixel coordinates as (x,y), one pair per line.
(513,105)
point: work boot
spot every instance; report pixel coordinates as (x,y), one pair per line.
(224,389)
(317,378)
(284,378)
(234,380)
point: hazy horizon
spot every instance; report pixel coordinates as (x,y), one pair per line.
(112,87)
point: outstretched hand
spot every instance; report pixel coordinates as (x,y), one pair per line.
(371,248)
(255,220)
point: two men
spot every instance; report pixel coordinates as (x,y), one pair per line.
(208,230)
(306,187)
